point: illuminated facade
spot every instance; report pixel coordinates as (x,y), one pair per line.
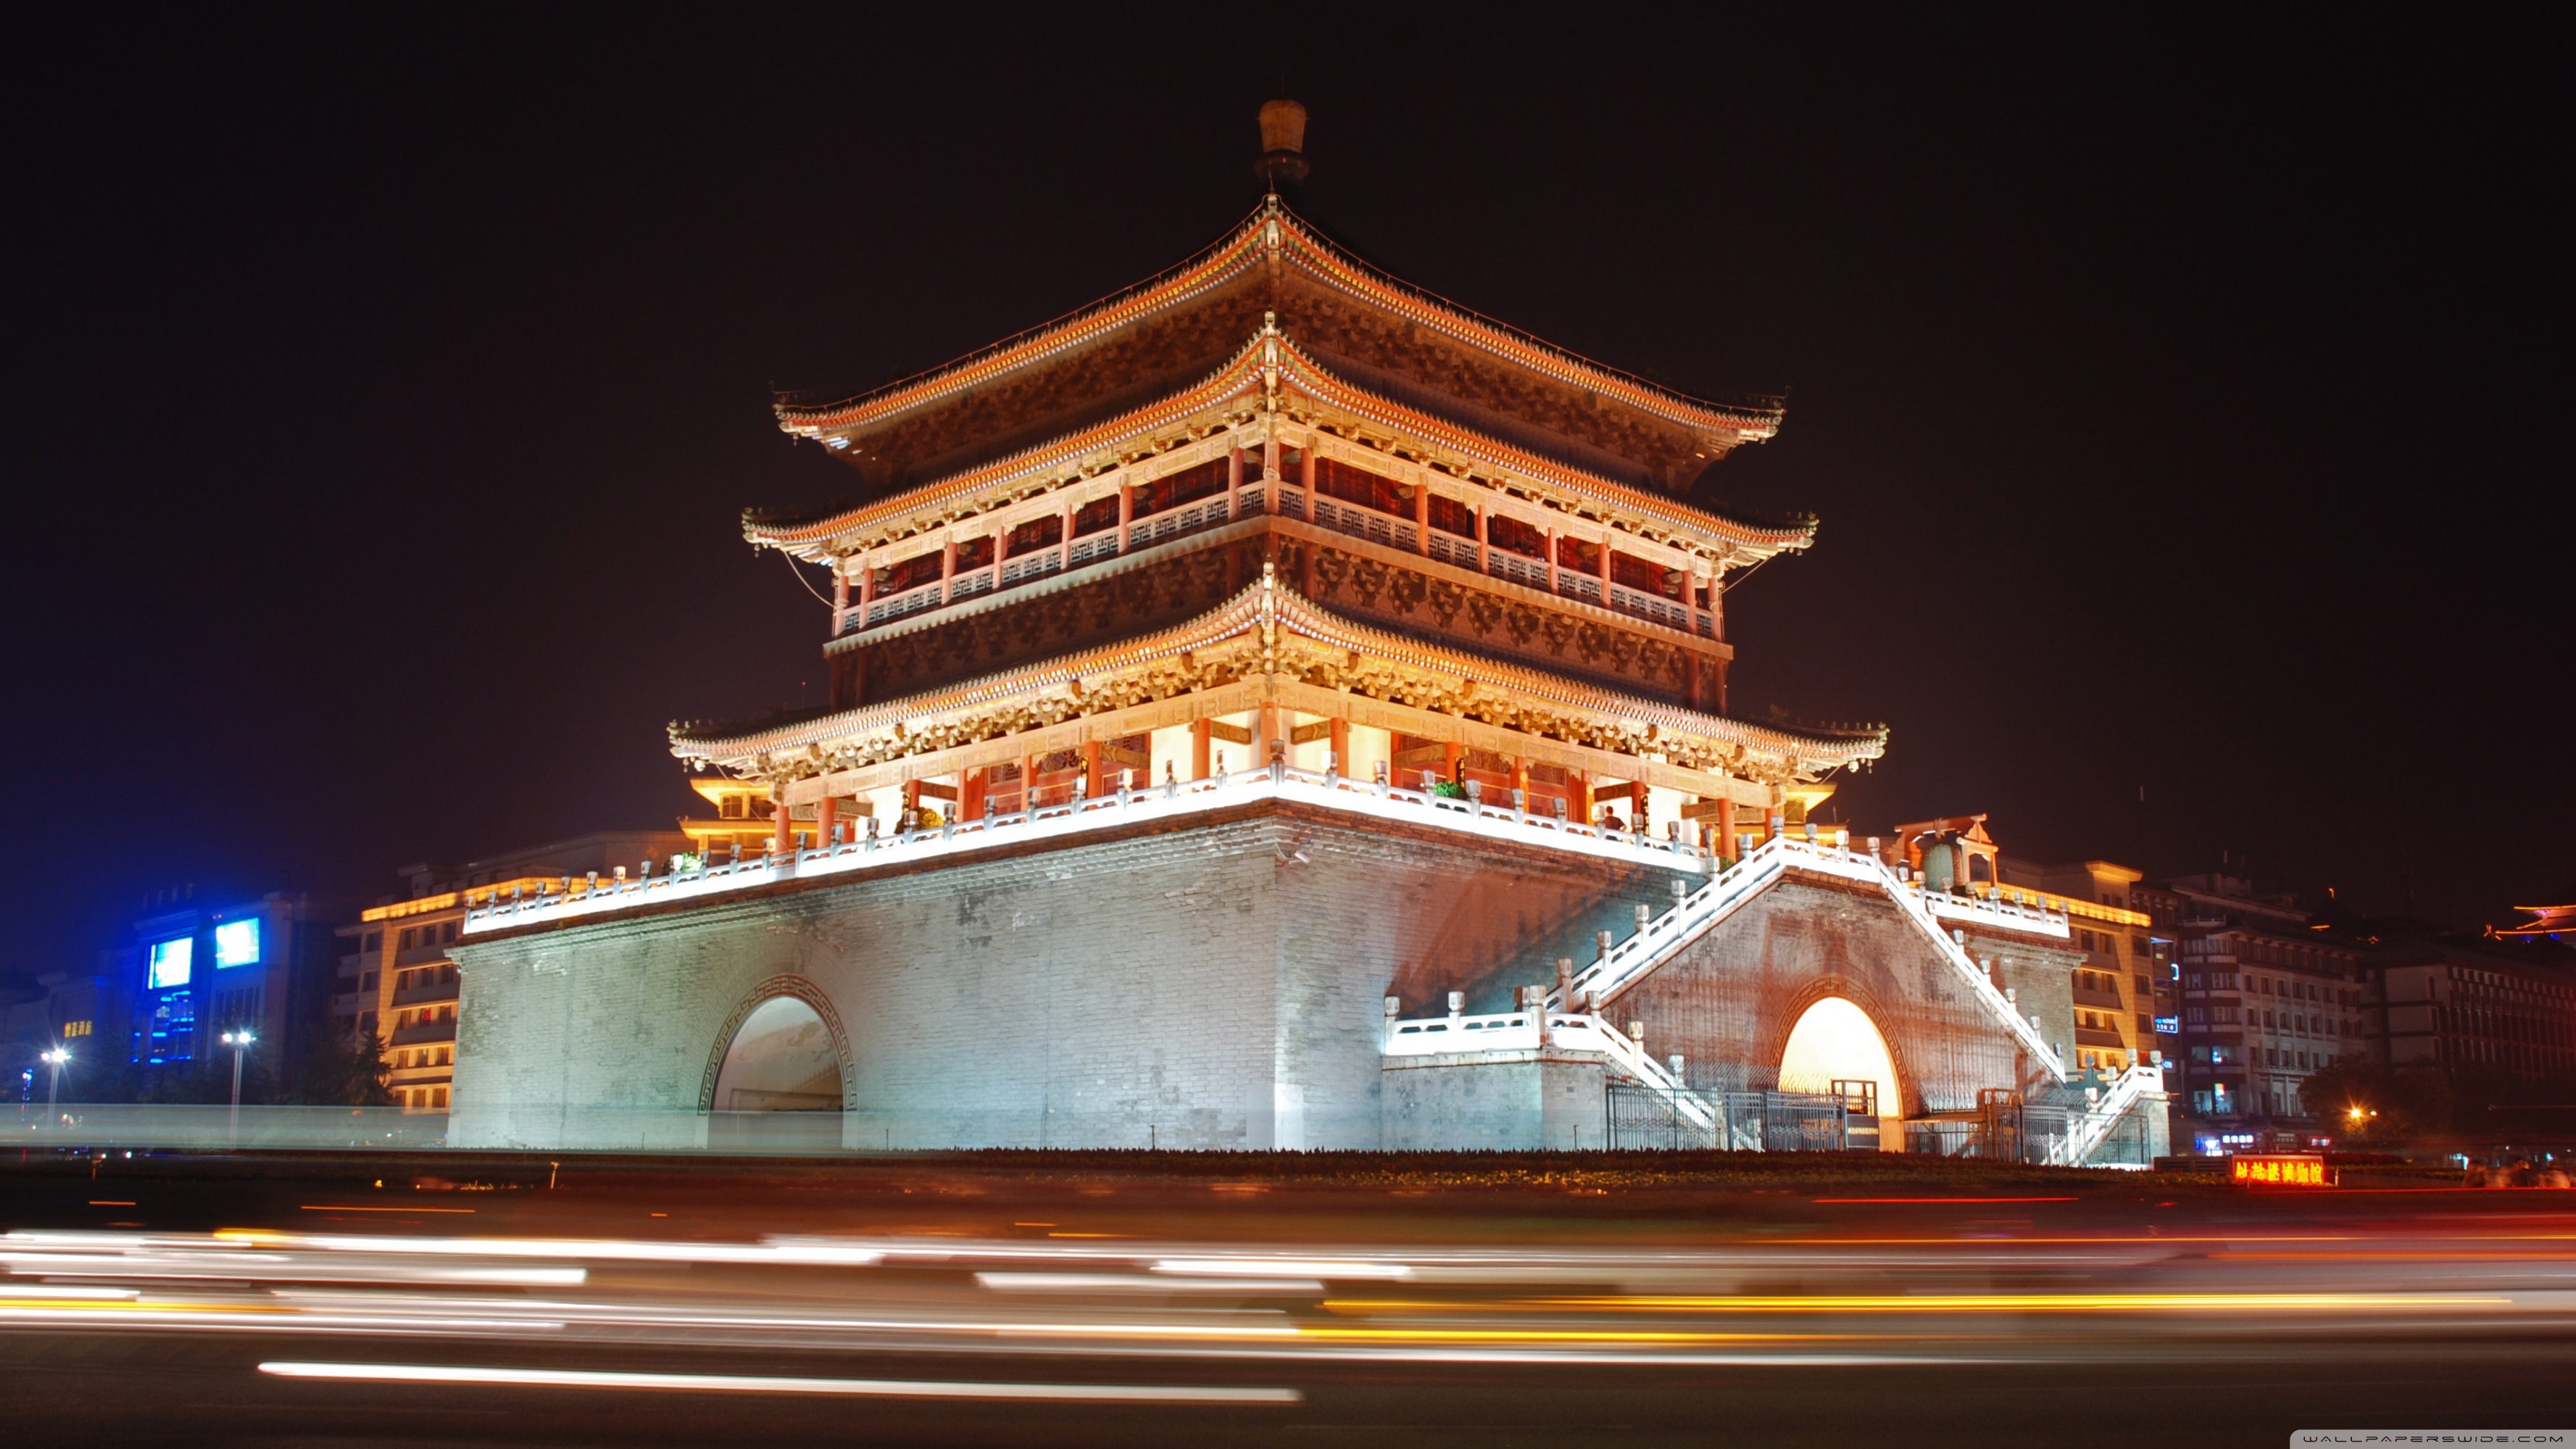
(1261,645)
(395,980)
(2266,1001)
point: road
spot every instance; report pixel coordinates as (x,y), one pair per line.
(960,1301)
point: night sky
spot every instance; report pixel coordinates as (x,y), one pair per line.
(2184,403)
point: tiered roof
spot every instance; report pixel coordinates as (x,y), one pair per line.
(1162,334)
(1268,631)
(1269,364)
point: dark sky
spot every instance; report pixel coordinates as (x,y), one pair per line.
(2184,402)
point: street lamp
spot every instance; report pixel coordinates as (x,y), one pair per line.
(240,1041)
(53,1082)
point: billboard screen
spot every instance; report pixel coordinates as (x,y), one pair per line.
(237,943)
(171,962)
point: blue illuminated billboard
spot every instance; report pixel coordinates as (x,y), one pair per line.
(171,962)
(237,943)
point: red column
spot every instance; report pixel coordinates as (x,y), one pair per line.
(1341,743)
(826,815)
(1091,767)
(1126,514)
(840,598)
(1449,754)
(1605,570)
(947,566)
(970,795)
(1265,728)
(1578,784)
(1551,560)
(1725,826)
(1421,519)
(780,840)
(1200,768)
(1234,485)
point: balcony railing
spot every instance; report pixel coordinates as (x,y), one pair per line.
(1498,816)
(429,991)
(1384,529)
(421,1031)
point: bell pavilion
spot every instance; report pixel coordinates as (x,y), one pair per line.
(1275,707)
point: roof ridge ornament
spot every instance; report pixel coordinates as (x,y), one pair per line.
(1283,146)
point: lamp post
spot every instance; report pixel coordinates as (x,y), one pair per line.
(54,1081)
(240,1042)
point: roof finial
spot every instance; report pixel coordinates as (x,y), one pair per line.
(1283,146)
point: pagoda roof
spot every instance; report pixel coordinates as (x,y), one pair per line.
(1268,629)
(1270,370)
(1102,359)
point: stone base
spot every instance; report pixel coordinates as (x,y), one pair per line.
(1493,1102)
(1214,985)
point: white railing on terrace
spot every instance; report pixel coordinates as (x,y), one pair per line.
(1520,1031)
(2088,1126)
(1661,938)
(1290,501)
(1486,818)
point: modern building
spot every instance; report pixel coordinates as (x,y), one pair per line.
(1271,702)
(2267,999)
(2481,1005)
(194,971)
(394,976)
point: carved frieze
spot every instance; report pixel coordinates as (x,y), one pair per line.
(1446,611)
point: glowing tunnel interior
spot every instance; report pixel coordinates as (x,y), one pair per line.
(1836,1041)
(781,1060)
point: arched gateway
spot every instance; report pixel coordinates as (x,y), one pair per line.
(1836,1048)
(781,1070)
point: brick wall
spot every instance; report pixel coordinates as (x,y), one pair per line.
(1728,1002)
(1197,987)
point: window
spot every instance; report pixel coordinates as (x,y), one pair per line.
(76,1028)
(405,943)
(447,933)
(2143,988)
(172,962)
(375,941)
(2196,1013)
(730,808)
(237,943)
(438,1098)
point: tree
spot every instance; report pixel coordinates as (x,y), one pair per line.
(341,1071)
(2368,1102)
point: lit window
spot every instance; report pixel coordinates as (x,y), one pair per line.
(171,962)
(237,943)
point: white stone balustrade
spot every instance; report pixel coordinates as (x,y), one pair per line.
(1108,811)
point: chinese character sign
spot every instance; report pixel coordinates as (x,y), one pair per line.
(2279,1170)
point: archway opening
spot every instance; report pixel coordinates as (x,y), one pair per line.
(780,1084)
(1836,1042)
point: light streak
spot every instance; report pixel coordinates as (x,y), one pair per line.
(1285,1267)
(1952,1303)
(762,1384)
(1131,1283)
